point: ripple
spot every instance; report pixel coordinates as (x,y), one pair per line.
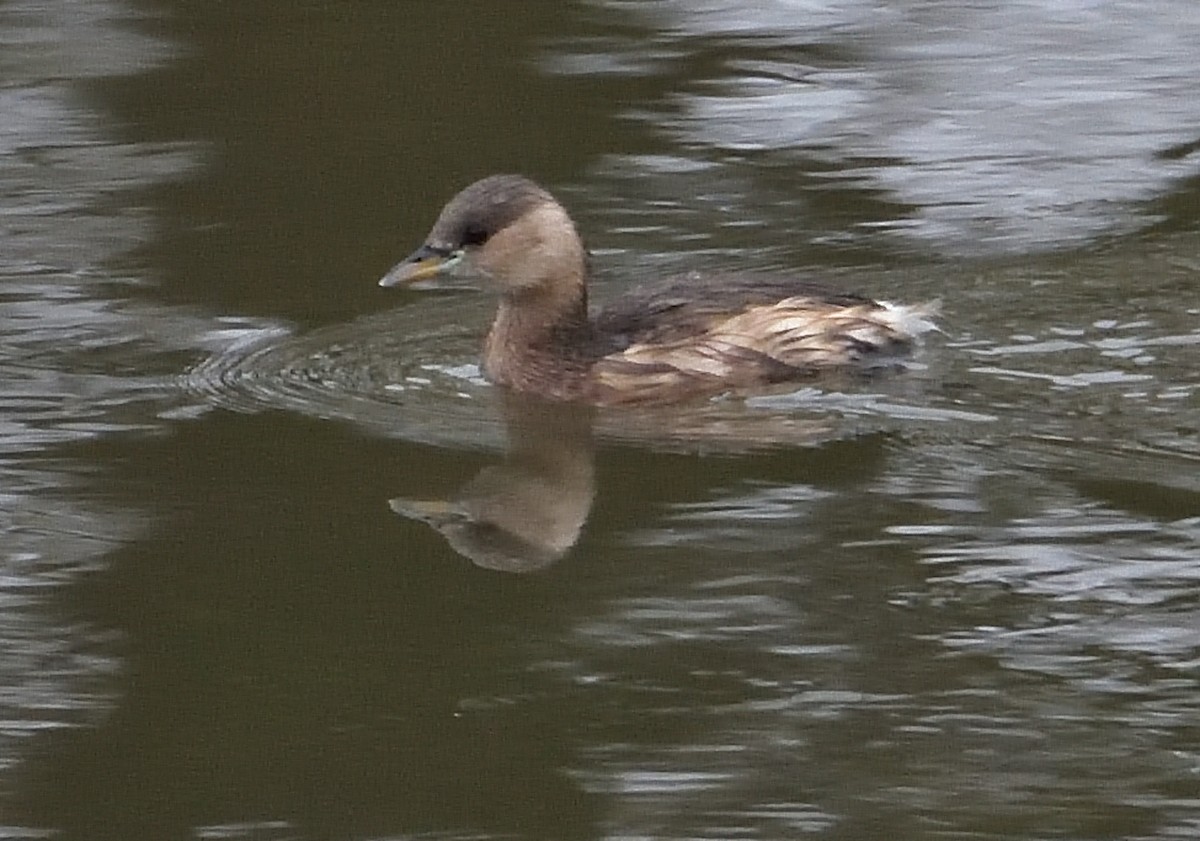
(406,373)
(411,373)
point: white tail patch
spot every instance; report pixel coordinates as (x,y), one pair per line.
(911,320)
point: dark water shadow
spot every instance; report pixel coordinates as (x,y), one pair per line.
(1178,210)
(292,215)
(293,654)
(1163,502)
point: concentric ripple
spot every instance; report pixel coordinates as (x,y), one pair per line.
(412,373)
(408,373)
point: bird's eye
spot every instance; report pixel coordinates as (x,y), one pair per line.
(474,235)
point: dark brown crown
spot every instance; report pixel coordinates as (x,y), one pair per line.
(485,208)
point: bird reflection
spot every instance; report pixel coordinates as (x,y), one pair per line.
(525,513)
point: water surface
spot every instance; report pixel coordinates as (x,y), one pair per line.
(278,563)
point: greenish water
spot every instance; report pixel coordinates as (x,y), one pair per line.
(277,563)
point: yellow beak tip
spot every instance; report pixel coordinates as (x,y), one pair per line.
(412,271)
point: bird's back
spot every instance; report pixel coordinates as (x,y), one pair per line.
(702,335)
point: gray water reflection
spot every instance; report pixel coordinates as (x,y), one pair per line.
(66,371)
(1018,653)
(973,128)
(957,603)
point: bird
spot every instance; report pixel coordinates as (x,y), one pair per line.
(683,338)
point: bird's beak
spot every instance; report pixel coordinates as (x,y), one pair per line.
(425,263)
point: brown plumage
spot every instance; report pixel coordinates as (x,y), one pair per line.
(688,337)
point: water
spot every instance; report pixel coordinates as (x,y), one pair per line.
(277,563)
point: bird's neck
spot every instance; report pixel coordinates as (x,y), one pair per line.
(540,339)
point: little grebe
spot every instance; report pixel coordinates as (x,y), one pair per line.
(687,337)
